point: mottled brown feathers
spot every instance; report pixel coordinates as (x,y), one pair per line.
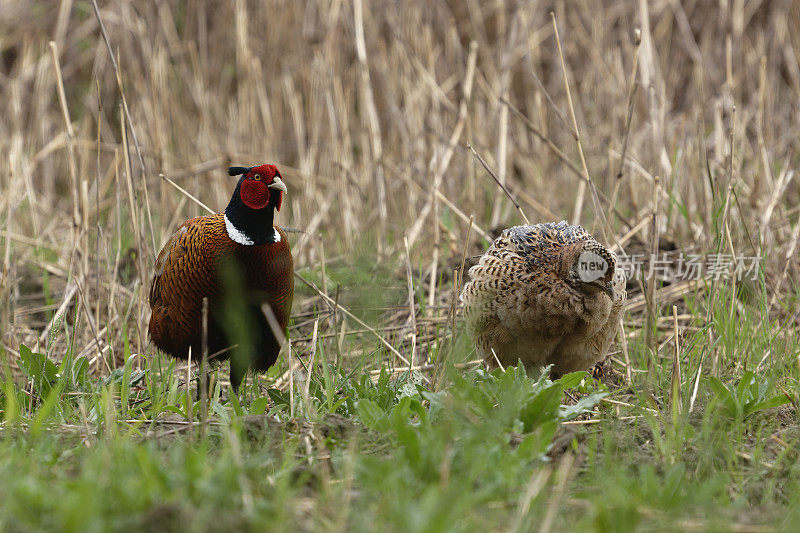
(527,299)
(187,270)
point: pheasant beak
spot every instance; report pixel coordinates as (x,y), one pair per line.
(278,184)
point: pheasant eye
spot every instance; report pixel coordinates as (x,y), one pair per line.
(257,177)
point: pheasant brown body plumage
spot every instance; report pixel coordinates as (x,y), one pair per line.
(545,294)
(242,243)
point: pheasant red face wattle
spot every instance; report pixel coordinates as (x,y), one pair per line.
(255,194)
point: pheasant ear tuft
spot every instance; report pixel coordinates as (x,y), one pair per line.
(237,171)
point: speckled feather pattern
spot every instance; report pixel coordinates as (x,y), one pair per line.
(519,304)
(186,271)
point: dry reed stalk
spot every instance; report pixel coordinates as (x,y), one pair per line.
(368,103)
(548,99)
(83,241)
(497,360)
(437,244)
(321,242)
(274,325)
(696,385)
(499,184)
(460,214)
(469,77)
(343,121)
(7,315)
(587,180)
(412,312)
(675,392)
(311,357)
(297,121)
(723,221)
(784,179)
(70,134)
(762,180)
(189,410)
(84,302)
(584,174)
(135,214)
(649,66)
(729,241)
(338,333)
(422,368)
(464,254)
(788,256)
(502,136)
(112,280)
(633,231)
(216,163)
(538,206)
(291,378)
(545,139)
(186,194)
(624,345)
(628,118)
(592,421)
(127,117)
(651,333)
(313,226)
(7,233)
(626,404)
(98,228)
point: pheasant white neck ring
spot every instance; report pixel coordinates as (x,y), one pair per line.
(241,237)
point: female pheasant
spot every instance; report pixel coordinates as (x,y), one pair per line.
(239,261)
(545,294)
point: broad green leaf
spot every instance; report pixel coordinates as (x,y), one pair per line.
(587,403)
(371,415)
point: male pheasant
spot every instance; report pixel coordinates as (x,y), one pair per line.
(545,294)
(239,261)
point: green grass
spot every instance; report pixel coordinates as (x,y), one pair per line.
(371,452)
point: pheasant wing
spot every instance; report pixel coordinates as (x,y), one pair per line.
(183,276)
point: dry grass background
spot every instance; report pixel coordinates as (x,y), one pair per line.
(367,107)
